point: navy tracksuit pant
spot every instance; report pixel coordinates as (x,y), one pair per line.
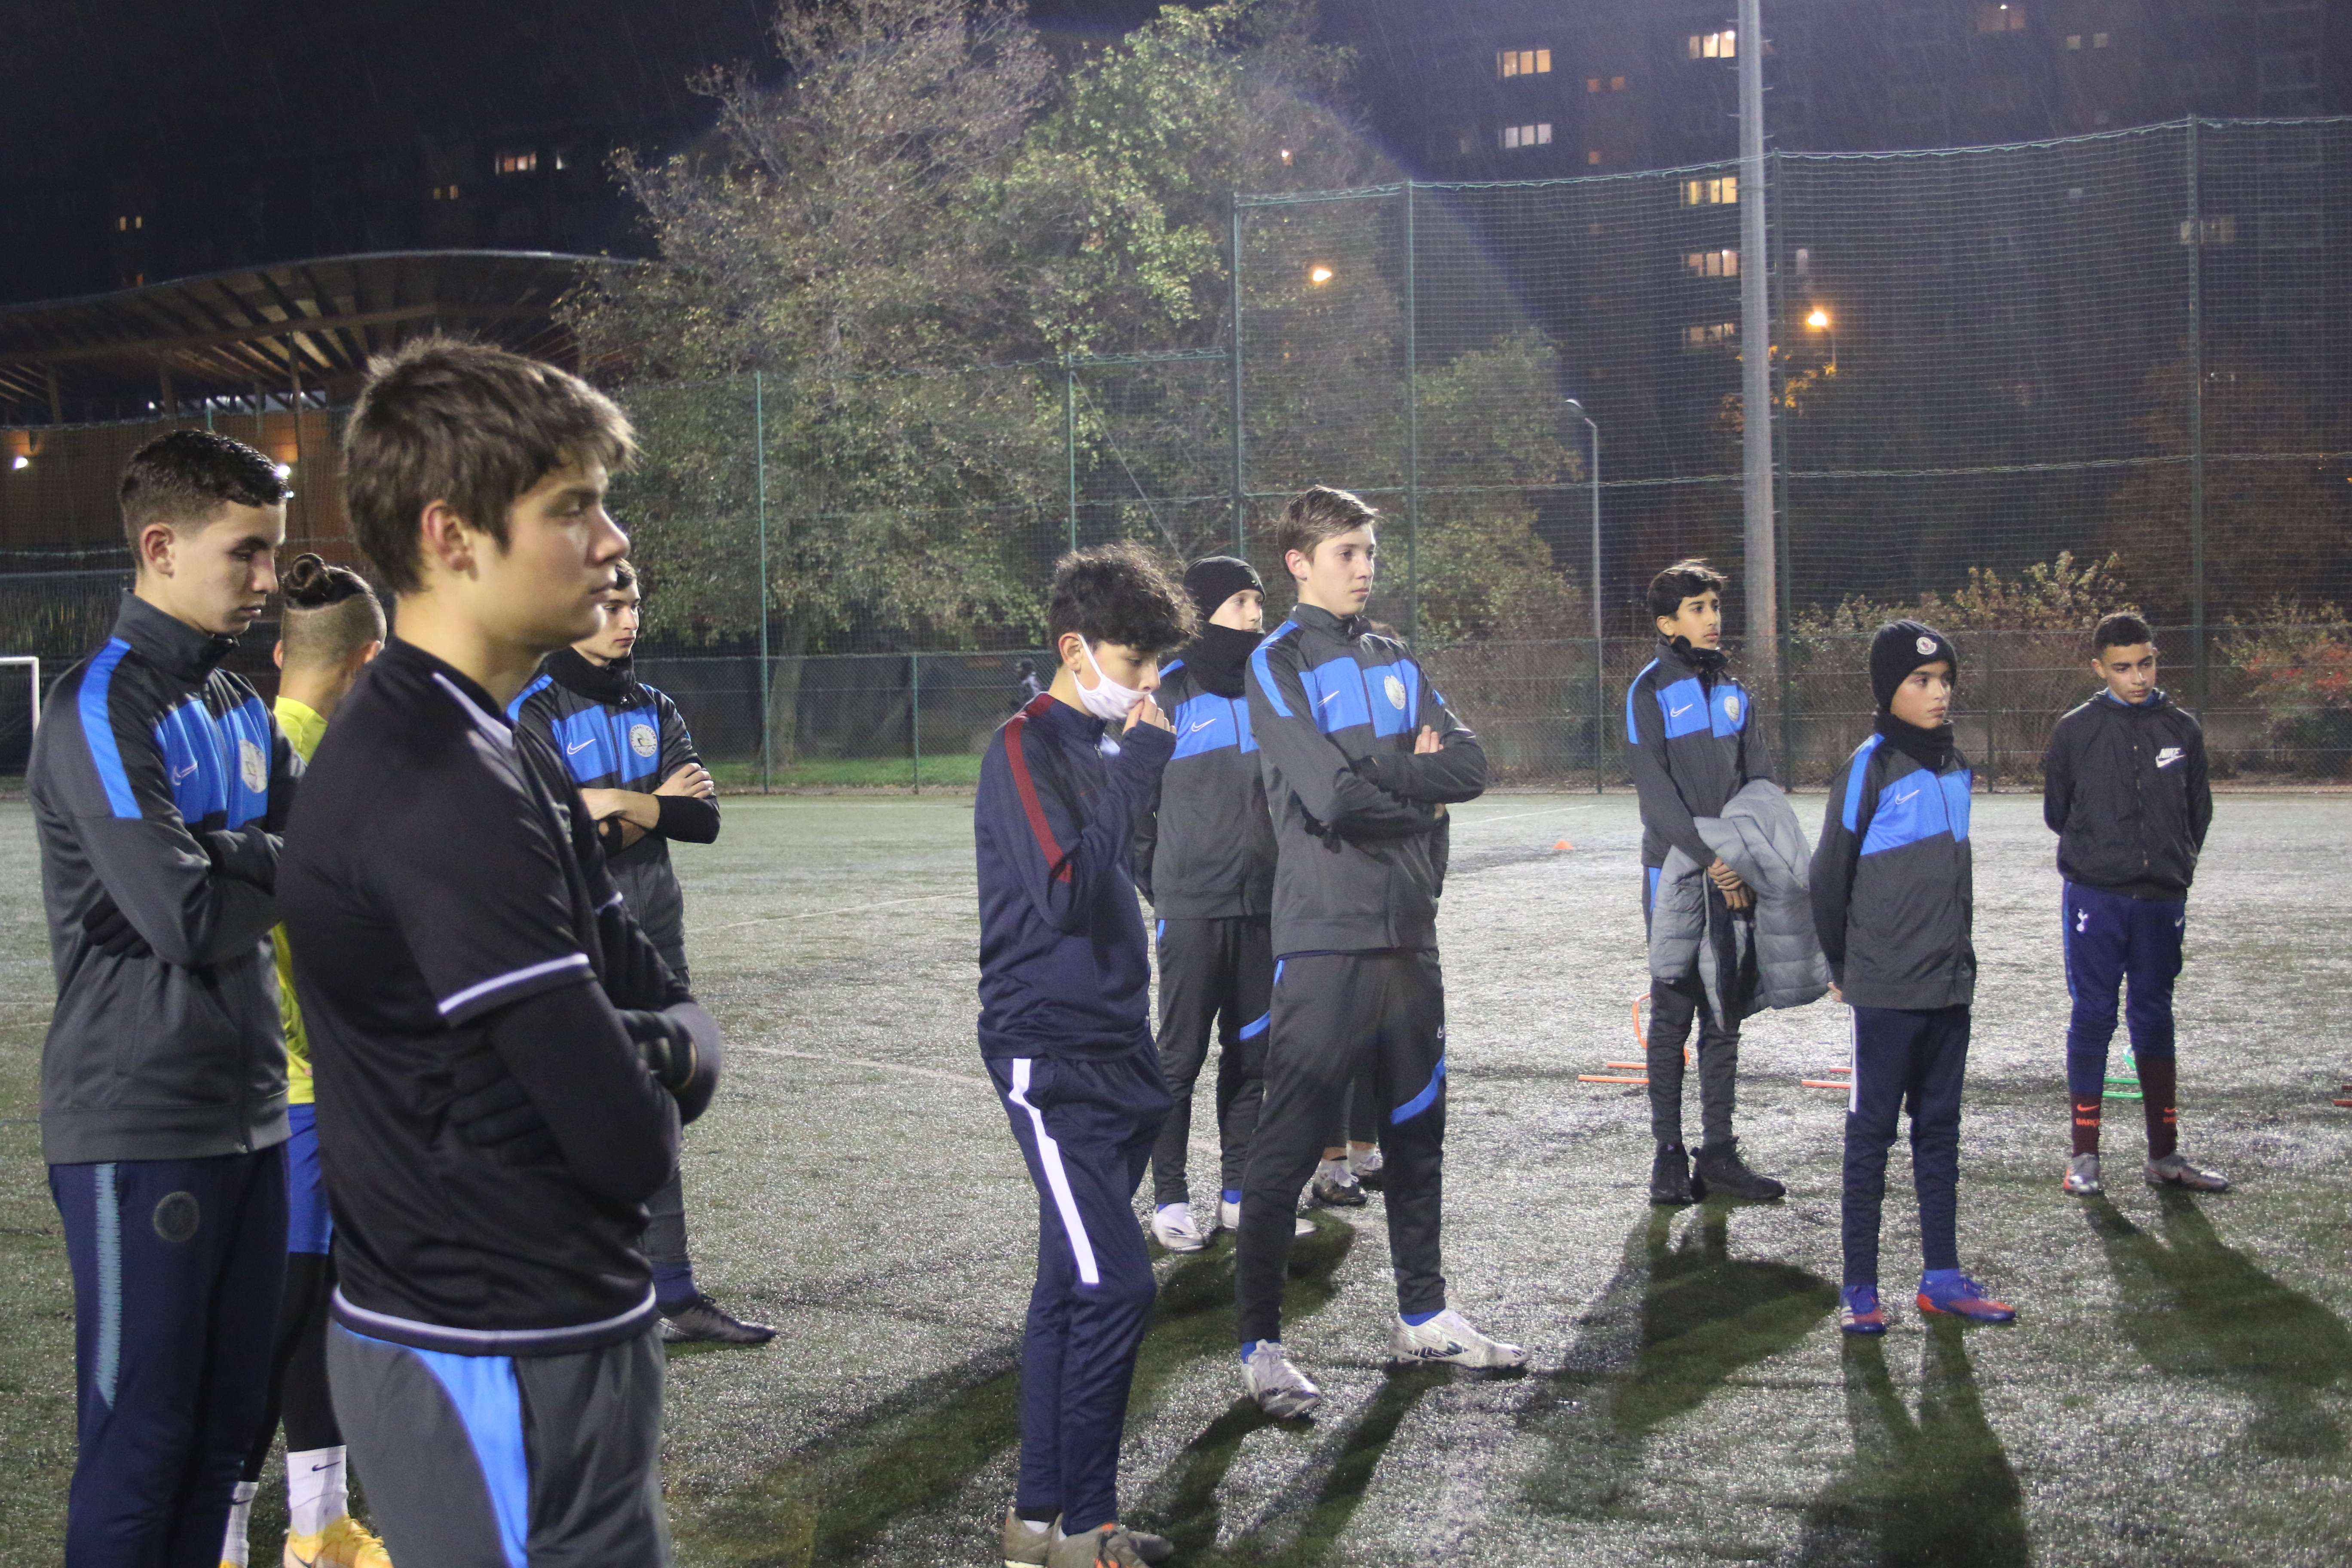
(178,1266)
(2114,939)
(1086,1126)
(1920,1059)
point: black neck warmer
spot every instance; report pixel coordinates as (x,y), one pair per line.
(1930,749)
(1217,656)
(615,684)
(1708,661)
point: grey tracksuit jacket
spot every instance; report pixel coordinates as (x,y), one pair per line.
(1757,836)
(160,781)
(1335,709)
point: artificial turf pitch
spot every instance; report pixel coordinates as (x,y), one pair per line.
(2178,1389)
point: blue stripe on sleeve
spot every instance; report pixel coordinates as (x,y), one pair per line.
(98,728)
(1854,771)
(1632,736)
(539,684)
(1266,675)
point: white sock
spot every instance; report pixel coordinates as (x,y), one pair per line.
(1034,1526)
(240,1510)
(1184,1209)
(315,1495)
(1331,1167)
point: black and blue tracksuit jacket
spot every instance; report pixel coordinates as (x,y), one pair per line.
(613,732)
(1064,967)
(1358,818)
(1893,881)
(1205,850)
(159,781)
(1694,745)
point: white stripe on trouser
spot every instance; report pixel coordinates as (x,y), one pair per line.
(1057,1180)
(1854,1062)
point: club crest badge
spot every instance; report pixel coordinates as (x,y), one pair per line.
(641,740)
(252,766)
(1731,706)
(1926,645)
(1395,689)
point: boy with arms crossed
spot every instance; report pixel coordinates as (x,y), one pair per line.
(1361,757)
(2123,788)
(159,789)
(1693,746)
(1065,1031)
(615,735)
(503,1061)
(1893,901)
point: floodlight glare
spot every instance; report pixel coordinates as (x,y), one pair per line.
(22,461)
(1818,318)
(1319,276)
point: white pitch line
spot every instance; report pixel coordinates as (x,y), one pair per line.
(867,1062)
(1513,816)
(812,914)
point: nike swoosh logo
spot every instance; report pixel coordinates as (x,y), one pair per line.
(1201,726)
(1680,710)
(1901,798)
(1327,699)
(182,773)
(1432,1354)
(575,751)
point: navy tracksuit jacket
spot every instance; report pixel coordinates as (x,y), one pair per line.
(1894,899)
(1065,1027)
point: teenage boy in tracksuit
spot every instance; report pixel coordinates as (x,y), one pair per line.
(1361,758)
(2123,788)
(1695,744)
(1065,1031)
(160,788)
(1893,902)
(1204,857)
(617,736)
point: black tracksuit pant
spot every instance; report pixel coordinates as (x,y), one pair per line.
(1214,975)
(1903,1058)
(1331,1010)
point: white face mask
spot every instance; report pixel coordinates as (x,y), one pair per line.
(1106,698)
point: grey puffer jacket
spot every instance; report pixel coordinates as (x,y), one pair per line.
(1758,837)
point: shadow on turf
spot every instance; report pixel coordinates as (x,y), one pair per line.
(1679,1319)
(1937,1491)
(918,1452)
(2195,1307)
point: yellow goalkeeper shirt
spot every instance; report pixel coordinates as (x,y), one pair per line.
(302,726)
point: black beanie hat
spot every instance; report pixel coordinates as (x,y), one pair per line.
(1213,579)
(1900,648)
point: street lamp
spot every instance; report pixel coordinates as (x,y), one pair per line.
(1820,322)
(1318,275)
(1593,479)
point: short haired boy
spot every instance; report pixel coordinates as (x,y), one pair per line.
(1892,887)
(1065,1031)
(159,788)
(1361,757)
(1695,744)
(617,735)
(331,625)
(2124,788)
(1204,857)
(503,1060)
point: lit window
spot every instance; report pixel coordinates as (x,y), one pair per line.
(516,162)
(1711,193)
(2215,230)
(1714,46)
(2001,18)
(1711,334)
(1712,263)
(559,160)
(2074,40)
(1804,261)
(1528,135)
(1593,156)
(2098,40)
(1616,84)
(1523,62)
(1592,84)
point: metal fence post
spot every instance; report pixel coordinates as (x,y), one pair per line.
(1992,713)
(1599,704)
(2197,413)
(759,471)
(1070,440)
(915,715)
(1241,500)
(1411,429)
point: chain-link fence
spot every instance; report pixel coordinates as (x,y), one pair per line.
(2125,345)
